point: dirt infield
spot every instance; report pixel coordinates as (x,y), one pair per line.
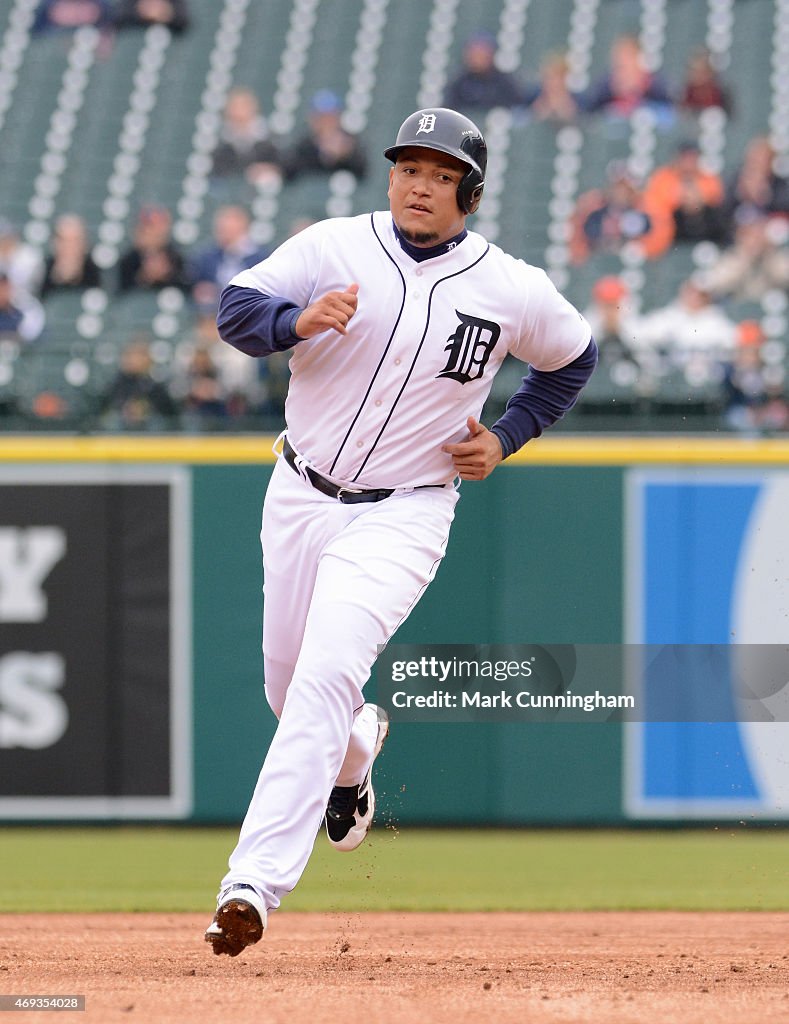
(609,968)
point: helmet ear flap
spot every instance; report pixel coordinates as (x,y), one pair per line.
(470,192)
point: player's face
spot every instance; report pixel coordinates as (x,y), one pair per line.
(423,195)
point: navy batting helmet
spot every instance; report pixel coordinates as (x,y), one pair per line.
(448,132)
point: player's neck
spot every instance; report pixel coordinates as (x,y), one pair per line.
(428,252)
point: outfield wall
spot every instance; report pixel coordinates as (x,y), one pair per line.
(130,668)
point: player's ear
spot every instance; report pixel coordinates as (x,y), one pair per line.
(391,179)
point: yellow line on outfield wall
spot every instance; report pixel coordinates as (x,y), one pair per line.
(115,448)
(623,450)
(250,449)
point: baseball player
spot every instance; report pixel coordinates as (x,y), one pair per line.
(398,322)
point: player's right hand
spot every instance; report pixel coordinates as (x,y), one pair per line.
(331,312)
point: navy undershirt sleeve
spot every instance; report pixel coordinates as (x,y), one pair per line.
(542,399)
(256,323)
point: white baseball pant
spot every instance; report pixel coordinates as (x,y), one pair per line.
(338,581)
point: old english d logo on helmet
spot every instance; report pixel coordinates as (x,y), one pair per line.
(449,132)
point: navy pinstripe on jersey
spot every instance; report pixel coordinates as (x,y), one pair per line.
(383,354)
(457,273)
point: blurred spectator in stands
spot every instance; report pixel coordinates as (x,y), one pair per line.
(48,404)
(614,325)
(298,224)
(689,326)
(275,378)
(245,147)
(756,186)
(685,201)
(480,85)
(200,392)
(70,266)
(61,15)
(21,316)
(20,262)
(606,219)
(154,261)
(757,262)
(232,251)
(251,386)
(703,87)
(551,100)
(174,14)
(628,85)
(756,398)
(239,375)
(327,146)
(135,400)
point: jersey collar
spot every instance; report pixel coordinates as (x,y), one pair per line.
(420,253)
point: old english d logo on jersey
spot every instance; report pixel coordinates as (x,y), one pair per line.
(469,348)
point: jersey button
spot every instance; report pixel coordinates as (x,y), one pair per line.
(417,294)
(378,401)
(397,362)
(419,272)
(360,444)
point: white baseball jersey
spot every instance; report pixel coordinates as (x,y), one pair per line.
(372,408)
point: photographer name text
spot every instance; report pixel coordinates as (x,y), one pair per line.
(478,700)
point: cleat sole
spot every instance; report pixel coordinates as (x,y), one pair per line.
(240,926)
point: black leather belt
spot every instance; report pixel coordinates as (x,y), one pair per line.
(347,495)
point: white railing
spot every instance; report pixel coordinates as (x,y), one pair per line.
(16,40)
(569,143)
(59,137)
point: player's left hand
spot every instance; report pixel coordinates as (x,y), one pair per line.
(477,457)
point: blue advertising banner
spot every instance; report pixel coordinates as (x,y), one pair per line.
(708,564)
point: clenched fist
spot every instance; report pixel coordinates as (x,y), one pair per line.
(331,312)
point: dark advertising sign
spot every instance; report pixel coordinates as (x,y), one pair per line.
(94,640)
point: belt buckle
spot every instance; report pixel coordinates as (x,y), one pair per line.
(346,490)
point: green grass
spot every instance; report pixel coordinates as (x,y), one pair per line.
(87,869)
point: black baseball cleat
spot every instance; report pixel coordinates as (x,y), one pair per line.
(349,813)
(239,921)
